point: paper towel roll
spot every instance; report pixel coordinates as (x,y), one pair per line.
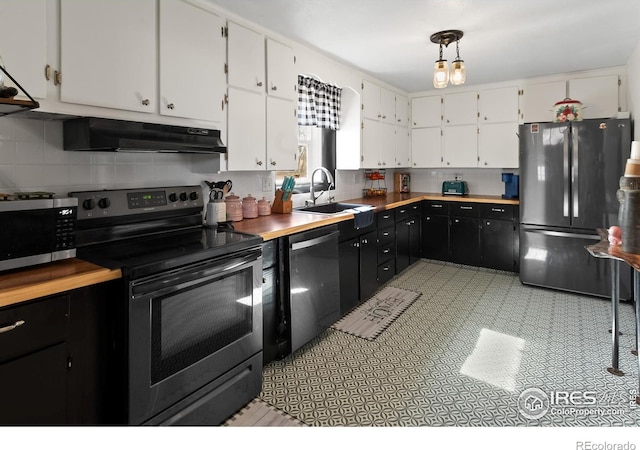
(635,150)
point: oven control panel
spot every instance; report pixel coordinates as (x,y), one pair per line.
(125,202)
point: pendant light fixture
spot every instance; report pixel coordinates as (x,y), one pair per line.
(441,73)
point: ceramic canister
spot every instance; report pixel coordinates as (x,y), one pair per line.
(264,208)
(249,207)
(216,212)
(234,207)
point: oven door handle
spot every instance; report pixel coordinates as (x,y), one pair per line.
(189,277)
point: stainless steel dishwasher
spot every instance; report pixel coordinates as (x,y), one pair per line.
(314,283)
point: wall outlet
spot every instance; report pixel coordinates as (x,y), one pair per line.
(267,183)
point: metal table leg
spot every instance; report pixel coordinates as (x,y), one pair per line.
(636,295)
(615,300)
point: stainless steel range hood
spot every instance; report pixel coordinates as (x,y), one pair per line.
(97,134)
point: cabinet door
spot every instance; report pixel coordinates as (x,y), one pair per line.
(282,134)
(387,145)
(415,241)
(402,245)
(103,66)
(461,108)
(245,58)
(464,235)
(435,237)
(370,100)
(496,244)
(246,132)
(426,147)
(402,111)
(370,144)
(368,265)
(25,62)
(349,260)
(599,95)
(282,80)
(538,99)
(34,388)
(403,147)
(498,105)
(426,111)
(192,82)
(498,145)
(460,146)
(387,106)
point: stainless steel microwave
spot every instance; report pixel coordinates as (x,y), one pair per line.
(37,231)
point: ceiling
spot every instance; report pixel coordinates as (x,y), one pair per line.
(503,39)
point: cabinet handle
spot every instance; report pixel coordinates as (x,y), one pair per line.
(356,244)
(497,209)
(386,233)
(47,72)
(364,241)
(259,163)
(12,327)
(170,106)
(259,83)
(57,78)
(274,88)
(384,117)
(386,269)
(466,207)
(145,102)
(402,211)
(386,250)
(264,280)
(273,163)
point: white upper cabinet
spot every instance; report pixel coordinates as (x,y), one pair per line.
(498,105)
(402,110)
(378,145)
(378,103)
(498,145)
(403,147)
(538,99)
(460,146)
(282,80)
(192,55)
(599,96)
(426,111)
(426,147)
(25,62)
(246,133)
(282,132)
(108,53)
(246,58)
(461,108)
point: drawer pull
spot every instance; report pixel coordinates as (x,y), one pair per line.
(437,206)
(497,209)
(466,207)
(386,250)
(12,327)
(386,269)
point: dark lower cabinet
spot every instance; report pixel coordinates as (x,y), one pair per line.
(408,249)
(464,240)
(435,237)
(496,244)
(358,263)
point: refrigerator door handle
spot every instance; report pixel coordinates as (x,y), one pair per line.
(565,169)
(575,172)
(593,237)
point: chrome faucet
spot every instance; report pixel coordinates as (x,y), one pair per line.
(311,188)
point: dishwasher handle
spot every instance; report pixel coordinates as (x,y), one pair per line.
(313,242)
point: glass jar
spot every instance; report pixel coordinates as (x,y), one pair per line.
(234,207)
(249,207)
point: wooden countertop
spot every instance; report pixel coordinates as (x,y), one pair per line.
(60,276)
(279,225)
(52,278)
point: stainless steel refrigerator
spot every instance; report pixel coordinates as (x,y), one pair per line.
(569,175)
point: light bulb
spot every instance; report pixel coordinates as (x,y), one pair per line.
(440,74)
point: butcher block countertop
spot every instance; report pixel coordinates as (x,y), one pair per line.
(52,278)
(279,225)
(60,276)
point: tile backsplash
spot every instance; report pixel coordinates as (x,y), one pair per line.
(32,159)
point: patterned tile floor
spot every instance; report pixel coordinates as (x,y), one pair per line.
(462,355)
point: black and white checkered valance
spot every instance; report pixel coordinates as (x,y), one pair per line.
(318,103)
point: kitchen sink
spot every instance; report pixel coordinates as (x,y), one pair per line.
(330,208)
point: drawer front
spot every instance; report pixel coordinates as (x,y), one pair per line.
(496,211)
(385,218)
(404,212)
(386,271)
(386,236)
(386,252)
(32,326)
(465,209)
(433,208)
